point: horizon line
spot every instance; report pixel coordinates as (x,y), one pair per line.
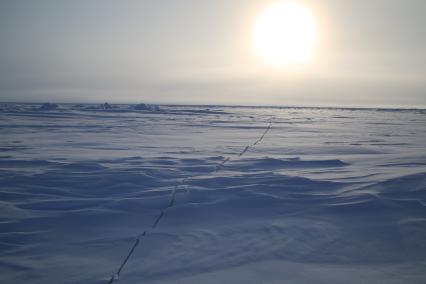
(233,105)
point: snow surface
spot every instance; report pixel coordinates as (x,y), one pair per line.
(326,196)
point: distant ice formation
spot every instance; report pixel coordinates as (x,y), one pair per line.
(142,106)
(48,106)
(106,106)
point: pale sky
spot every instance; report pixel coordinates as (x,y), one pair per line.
(367,53)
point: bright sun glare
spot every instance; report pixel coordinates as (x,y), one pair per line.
(284,34)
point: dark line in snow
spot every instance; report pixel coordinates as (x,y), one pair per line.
(116,275)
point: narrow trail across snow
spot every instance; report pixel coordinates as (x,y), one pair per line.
(138,239)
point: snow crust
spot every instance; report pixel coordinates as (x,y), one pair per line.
(326,196)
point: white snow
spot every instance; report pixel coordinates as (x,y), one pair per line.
(325,196)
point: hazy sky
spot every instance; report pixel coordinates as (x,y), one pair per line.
(369,53)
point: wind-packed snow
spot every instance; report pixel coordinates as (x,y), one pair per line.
(323,196)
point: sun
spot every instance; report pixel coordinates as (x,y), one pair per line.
(284,34)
